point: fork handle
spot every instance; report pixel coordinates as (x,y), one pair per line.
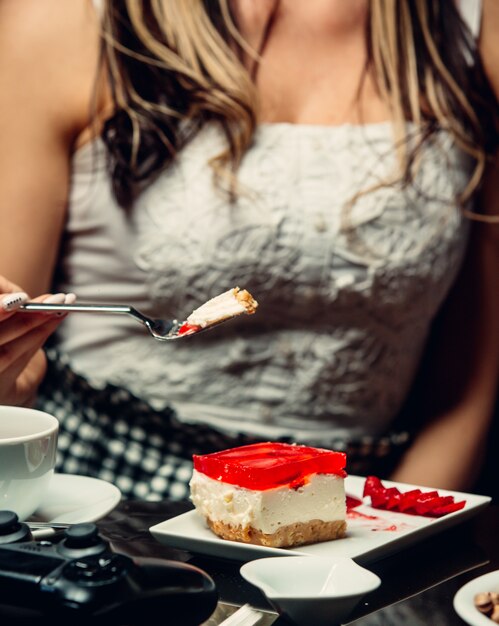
(80,307)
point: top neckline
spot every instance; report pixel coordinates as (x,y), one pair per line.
(370,128)
(326,127)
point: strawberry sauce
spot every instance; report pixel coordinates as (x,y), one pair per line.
(188,329)
(352,503)
(262,466)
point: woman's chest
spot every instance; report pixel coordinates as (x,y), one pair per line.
(311,62)
(315,224)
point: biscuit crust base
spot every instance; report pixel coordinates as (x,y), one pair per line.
(297,534)
(246,299)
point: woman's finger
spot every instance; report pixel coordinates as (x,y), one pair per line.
(16,326)
(13,326)
(10,302)
(6,286)
(27,342)
(11,297)
(21,388)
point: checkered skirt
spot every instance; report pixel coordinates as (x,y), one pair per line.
(110,434)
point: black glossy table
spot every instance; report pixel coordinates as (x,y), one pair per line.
(418,583)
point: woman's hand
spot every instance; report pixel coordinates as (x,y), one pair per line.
(22,360)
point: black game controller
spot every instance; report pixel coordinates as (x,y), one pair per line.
(79,579)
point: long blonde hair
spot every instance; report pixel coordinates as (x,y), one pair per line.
(174,65)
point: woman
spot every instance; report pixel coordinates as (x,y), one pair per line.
(336,159)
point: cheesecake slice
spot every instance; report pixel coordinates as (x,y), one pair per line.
(220,308)
(272,494)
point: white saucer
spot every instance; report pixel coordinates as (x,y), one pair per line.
(73,499)
(464,599)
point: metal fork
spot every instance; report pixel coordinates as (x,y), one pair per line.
(162,330)
(34,525)
(244,616)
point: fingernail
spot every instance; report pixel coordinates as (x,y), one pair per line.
(70,298)
(56,298)
(13,301)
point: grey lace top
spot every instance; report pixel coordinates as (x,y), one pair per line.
(347,292)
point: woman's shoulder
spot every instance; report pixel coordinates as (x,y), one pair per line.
(49,54)
(489,42)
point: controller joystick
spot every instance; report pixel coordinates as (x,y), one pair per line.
(81,540)
(78,579)
(12,530)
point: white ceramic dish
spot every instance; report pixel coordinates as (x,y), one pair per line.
(311,589)
(463,600)
(28,446)
(73,499)
(372,533)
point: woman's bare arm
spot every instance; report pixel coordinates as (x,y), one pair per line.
(48,54)
(460,390)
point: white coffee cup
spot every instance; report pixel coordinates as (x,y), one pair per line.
(28,446)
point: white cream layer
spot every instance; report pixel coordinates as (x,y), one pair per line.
(322,498)
(218,308)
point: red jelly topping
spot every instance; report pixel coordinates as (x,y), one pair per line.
(262,466)
(188,329)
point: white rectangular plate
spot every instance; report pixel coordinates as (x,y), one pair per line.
(371,533)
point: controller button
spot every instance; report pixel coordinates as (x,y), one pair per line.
(12,530)
(84,569)
(74,606)
(81,540)
(8,522)
(95,569)
(81,536)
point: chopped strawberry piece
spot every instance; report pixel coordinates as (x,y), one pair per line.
(424,502)
(426,506)
(448,508)
(352,503)
(427,495)
(415,501)
(379,498)
(393,498)
(373,483)
(408,499)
